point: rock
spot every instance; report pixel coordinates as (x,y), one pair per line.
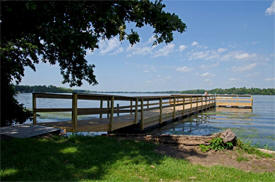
(228,136)
(187,140)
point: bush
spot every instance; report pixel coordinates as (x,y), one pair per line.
(216,144)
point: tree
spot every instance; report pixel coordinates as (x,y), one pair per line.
(61,32)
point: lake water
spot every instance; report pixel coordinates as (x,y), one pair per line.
(256,126)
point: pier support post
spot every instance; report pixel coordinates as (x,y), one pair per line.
(74,112)
(212,100)
(101,106)
(131,106)
(191,101)
(174,107)
(160,110)
(183,105)
(202,102)
(136,111)
(111,115)
(205,101)
(117,109)
(147,104)
(108,107)
(197,103)
(141,115)
(34,108)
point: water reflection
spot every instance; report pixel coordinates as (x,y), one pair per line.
(194,125)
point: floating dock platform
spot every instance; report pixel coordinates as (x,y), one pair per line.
(235,101)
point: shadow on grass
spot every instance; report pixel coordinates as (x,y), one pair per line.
(73,158)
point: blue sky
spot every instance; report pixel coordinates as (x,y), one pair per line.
(226,44)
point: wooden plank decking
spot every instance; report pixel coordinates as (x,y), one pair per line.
(27,131)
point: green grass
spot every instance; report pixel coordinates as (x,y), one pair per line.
(242,158)
(100,158)
(250,149)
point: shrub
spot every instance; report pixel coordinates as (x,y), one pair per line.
(216,144)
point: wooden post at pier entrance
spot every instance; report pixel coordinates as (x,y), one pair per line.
(74,112)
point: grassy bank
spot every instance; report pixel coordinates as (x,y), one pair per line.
(100,158)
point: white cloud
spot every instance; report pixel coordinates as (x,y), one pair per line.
(270,79)
(221,50)
(195,43)
(183,69)
(119,50)
(149,69)
(206,55)
(164,51)
(107,46)
(271,9)
(243,56)
(182,47)
(207,80)
(135,50)
(244,68)
(207,74)
(223,54)
(142,49)
(239,55)
(89,52)
(151,40)
(207,66)
(233,79)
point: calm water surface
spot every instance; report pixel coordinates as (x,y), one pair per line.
(256,126)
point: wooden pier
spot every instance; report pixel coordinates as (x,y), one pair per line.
(141,112)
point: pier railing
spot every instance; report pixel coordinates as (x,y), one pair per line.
(138,105)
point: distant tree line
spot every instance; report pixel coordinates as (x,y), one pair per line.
(44,88)
(54,89)
(243,90)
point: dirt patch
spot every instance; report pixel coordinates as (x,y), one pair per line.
(229,158)
(187,147)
